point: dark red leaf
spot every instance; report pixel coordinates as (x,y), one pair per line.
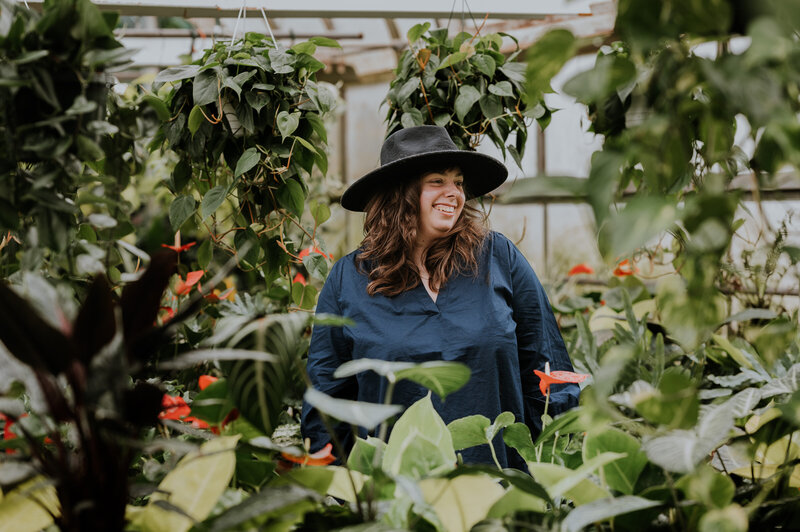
(29,338)
(141,301)
(95,325)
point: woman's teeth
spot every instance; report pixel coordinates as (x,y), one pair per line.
(445,208)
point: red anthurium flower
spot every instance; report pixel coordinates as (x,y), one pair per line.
(581,268)
(192,278)
(178,249)
(557,377)
(205,381)
(313,249)
(174,407)
(299,278)
(320,458)
(625,268)
(8,434)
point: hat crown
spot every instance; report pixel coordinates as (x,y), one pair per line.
(415,141)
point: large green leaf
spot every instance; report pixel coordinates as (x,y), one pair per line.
(515,500)
(205,88)
(287,123)
(573,484)
(212,404)
(440,376)
(291,197)
(194,486)
(247,161)
(258,387)
(620,475)
(546,58)
(467,96)
(367,415)
(177,73)
(641,221)
(609,74)
(180,210)
(680,451)
(477,430)
(285,504)
(462,501)
(604,509)
(362,455)
(29,507)
(195,119)
(212,200)
(420,422)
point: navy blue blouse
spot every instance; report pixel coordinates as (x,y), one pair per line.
(499,323)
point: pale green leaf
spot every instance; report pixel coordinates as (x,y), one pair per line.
(194,486)
(287,123)
(367,415)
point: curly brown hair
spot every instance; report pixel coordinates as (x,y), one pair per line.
(390,233)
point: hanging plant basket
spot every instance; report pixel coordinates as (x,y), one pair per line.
(465,84)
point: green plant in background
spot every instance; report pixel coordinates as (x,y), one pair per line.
(54,131)
(466,85)
(245,121)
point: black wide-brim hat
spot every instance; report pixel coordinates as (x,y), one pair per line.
(407,153)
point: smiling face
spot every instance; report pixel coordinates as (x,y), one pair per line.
(441,200)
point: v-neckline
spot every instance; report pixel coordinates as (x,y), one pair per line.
(429,300)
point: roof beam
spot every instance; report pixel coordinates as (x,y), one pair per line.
(425,9)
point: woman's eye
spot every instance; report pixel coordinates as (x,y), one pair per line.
(460,184)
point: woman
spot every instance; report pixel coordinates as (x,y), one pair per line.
(429,282)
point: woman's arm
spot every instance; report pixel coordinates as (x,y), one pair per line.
(539,341)
(328,350)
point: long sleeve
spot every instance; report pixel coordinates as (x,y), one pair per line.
(539,341)
(328,350)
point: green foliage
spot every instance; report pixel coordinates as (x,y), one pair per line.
(245,122)
(68,146)
(440,79)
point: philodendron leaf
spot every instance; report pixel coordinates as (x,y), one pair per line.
(467,96)
(194,487)
(180,210)
(603,509)
(573,484)
(452,59)
(195,119)
(518,436)
(247,161)
(212,200)
(439,376)
(477,430)
(291,197)
(546,58)
(363,454)
(287,123)
(620,475)
(367,415)
(462,501)
(679,451)
(468,431)
(417,31)
(419,429)
(502,88)
(177,73)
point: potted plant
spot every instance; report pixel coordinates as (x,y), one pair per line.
(245,121)
(466,85)
(52,110)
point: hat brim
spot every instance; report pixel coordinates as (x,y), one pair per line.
(482,174)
